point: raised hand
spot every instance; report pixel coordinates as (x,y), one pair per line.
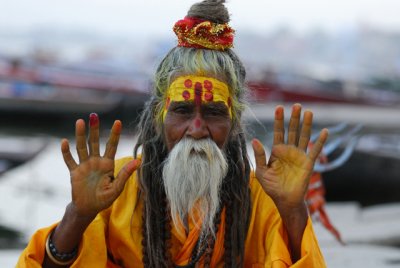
(286,176)
(94,187)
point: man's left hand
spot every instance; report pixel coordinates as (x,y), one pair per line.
(286,176)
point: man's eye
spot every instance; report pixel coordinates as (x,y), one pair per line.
(216,112)
(181,110)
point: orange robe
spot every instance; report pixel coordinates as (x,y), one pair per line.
(117,232)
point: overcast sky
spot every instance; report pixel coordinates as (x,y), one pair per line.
(158,16)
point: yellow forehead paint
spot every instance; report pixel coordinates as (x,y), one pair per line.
(200,89)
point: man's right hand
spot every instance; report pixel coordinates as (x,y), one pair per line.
(94,187)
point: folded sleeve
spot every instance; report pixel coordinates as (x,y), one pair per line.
(278,254)
(92,249)
(267,243)
(93,246)
(34,253)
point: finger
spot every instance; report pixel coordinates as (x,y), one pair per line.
(305,133)
(93,142)
(319,144)
(294,124)
(279,128)
(112,144)
(125,173)
(81,140)
(68,159)
(259,153)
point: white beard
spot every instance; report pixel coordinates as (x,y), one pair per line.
(192,175)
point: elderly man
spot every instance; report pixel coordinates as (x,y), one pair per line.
(188,198)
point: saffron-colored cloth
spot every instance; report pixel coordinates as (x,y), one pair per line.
(114,238)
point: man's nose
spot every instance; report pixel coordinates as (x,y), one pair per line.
(198,128)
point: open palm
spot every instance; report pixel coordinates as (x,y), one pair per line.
(285,176)
(94,187)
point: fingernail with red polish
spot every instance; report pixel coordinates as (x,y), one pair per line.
(93,119)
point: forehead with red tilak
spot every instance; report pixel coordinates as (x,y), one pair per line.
(199,89)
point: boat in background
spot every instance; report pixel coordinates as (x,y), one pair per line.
(17,150)
(51,89)
(372,173)
(291,88)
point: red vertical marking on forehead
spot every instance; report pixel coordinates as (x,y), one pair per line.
(167,104)
(198,90)
(197,123)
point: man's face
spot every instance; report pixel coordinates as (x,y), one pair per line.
(197,121)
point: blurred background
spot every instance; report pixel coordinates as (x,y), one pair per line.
(61,60)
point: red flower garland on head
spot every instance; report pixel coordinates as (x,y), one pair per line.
(198,33)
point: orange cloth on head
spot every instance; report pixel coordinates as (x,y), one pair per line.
(114,238)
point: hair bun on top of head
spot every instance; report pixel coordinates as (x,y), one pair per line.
(205,26)
(211,10)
